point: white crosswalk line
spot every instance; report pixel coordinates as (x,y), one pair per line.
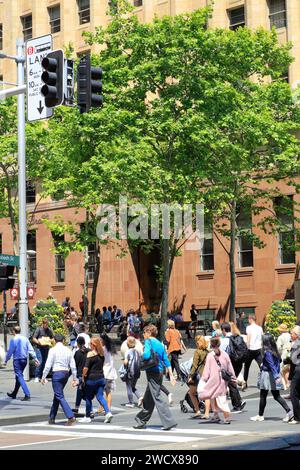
(99,435)
(105,427)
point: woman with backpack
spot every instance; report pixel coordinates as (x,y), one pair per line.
(238,350)
(132,364)
(270,379)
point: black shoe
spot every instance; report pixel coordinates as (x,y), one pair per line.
(25,399)
(51,421)
(169,427)
(10,395)
(242,406)
(139,426)
(75,410)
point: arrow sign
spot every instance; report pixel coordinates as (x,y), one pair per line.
(36,50)
(40,108)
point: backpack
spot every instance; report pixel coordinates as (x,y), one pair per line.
(237,349)
(134,370)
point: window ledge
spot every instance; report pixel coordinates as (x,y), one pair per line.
(286,268)
(58,286)
(205,275)
(244,272)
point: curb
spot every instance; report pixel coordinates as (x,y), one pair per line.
(27,419)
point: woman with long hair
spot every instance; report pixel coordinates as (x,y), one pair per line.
(270,378)
(195,373)
(93,377)
(215,386)
(215,328)
(174,345)
(110,373)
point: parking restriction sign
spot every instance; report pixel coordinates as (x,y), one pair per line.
(36,50)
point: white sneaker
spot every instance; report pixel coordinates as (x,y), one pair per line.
(129,405)
(36,380)
(86,419)
(108,417)
(257,418)
(289,417)
(170,398)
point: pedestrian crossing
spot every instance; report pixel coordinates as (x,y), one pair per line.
(114,432)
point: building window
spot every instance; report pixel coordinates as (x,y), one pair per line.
(54,16)
(286,236)
(31,256)
(92,261)
(277,13)
(138,3)
(84,11)
(30,192)
(236,18)
(245,245)
(27,27)
(59,259)
(1,82)
(1,36)
(207,249)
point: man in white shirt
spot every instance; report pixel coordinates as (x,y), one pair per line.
(83,333)
(254,343)
(61,360)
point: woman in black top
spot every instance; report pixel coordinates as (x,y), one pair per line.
(80,360)
(94,380)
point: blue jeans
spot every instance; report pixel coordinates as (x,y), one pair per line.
(59,381)
(19,366)
(95,388)
(42,354)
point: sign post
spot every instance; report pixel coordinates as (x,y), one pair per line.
(36,50)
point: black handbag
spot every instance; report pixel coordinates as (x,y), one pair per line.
(153,361)
(224,373)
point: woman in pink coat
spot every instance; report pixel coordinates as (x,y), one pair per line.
(215,386)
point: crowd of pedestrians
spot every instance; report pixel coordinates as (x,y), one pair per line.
(211,375)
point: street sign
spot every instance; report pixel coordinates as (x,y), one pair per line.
(36,50)
(14,293)
(11,260)
(30,293)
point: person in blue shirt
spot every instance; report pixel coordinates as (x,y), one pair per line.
(152,396)
(20,348)
(270,379)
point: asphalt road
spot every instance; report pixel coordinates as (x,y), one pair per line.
(190,434)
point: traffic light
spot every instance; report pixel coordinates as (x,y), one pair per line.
(53,77)
(69,99)
(7,280)
(89,85)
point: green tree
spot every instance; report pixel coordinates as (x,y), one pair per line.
(280,312)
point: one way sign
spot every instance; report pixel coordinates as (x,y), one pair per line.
(36,50)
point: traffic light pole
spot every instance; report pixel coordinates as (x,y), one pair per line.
(23,301)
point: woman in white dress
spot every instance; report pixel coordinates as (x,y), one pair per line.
(110,373)
(284,346)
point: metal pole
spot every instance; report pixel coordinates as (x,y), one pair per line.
(5,320)
(23,301)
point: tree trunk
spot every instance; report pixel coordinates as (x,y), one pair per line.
(168,250)
(232,314)
(86,283)
(96,280)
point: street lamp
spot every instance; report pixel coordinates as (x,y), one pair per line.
(20,91)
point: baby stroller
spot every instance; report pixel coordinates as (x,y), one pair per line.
(185,368)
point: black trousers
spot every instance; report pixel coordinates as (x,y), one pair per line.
(295,393)
(276,396)
(237,367)
(252,355)
(175,363)
(235,396)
